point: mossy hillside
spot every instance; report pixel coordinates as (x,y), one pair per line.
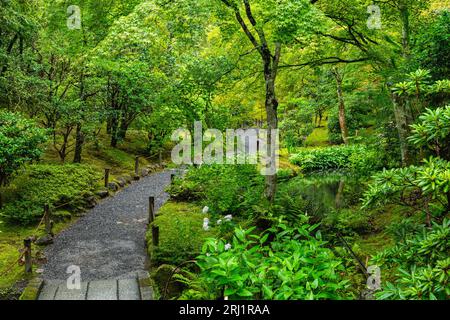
(41,184)
(181,233)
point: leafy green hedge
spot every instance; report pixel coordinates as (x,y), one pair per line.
(49,184)
(224,189)
(359,158)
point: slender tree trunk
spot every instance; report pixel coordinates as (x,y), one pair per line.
(272,124)
(271,105)
(109,125)
(114,131)
(123,128)
(342,118)
(79,141)
(406,31)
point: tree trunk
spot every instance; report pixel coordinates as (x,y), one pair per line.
(342,119)
(406,31)
(272,124)
(79,141)
(271,105)
(114,129)
(123,128)
(109,125)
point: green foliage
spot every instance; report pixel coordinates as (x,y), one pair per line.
(432,50)
(421,265)
(411,186)
(348,221)
(49,184)
(181,234)
(224,189)
(296,123)
(354,157)
(295,265)
(433,132)
(20,142)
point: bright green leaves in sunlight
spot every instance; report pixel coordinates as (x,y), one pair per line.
(295,265)
(20,142)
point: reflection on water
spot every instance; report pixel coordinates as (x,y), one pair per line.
(320,194)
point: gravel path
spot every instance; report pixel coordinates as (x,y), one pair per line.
(109,242)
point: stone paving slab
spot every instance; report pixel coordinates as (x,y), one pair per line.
(102,290)
(64,293)
(48,292)
(124,289)
(128,289)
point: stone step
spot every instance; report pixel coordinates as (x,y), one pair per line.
(124,289)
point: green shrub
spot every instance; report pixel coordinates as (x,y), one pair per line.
(224,189)
(359,158)
(20,142)
(181,234)
(49,184)
(421,266)
(295,265)
(425,187)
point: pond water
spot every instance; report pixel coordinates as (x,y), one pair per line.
(326,192)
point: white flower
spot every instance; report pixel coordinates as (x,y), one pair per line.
(227,247)
(228,217)
(219,222)
(205,210)
(206,224)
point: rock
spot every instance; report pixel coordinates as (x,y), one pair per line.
(102,194)
(121,182)
(113,186)
(144,172)
(44,241)
(136,178)
(91,202)
(128,179)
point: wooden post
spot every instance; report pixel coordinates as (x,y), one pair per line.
(155,235)
(151,209)
(48,220)
(172,177)
(160,157)
(136,166)
(28,260)
(107,171)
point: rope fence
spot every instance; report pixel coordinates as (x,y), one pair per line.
(25,257)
